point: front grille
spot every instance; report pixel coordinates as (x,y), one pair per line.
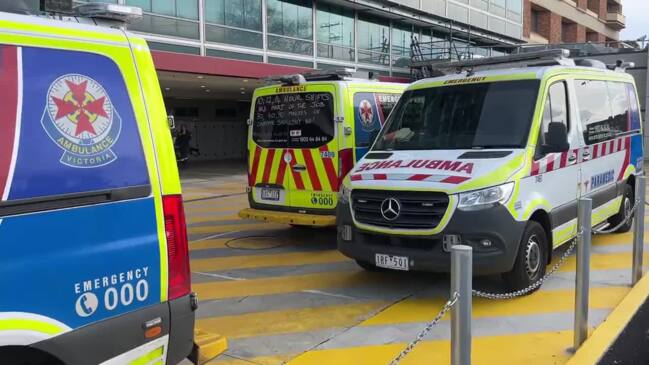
(419,209)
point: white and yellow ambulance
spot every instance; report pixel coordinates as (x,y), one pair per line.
(305,135)
(494,159)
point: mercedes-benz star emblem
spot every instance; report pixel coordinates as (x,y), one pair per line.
(390,209)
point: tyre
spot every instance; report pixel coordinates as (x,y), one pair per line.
(531,259)
(625,210)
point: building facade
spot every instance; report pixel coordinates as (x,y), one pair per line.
(573,21)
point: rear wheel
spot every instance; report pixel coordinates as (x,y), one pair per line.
(530,265)
(625,211)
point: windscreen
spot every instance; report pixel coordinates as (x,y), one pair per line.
(296,120)
(483,115)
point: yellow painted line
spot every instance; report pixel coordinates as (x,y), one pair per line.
(609,261)
(252,242)
(233,227)
(291,320)
(604,335)
(530,348)
(213,218)
(260,360)
(279,285)
(421,310)
(254,261)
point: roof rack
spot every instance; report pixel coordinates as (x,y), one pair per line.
(317,75)
(529,59)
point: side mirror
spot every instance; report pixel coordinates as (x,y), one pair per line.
(171,121)
(556,140)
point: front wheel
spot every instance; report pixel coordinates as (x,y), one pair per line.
(531,260)
(625,210)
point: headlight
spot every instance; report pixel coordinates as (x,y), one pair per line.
(485,198)
(344,194)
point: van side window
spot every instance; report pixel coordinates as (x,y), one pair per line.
(556,107)
(370,112)
(603,108)
(76,129)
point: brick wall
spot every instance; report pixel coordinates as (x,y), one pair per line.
(603,10)
(573,33)
(582,4)
(527,18)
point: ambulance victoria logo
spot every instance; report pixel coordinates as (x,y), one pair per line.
(367,115)
(82,121)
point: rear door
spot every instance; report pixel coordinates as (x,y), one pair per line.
(78,224)
(294,149)
(607,128)
(371,109)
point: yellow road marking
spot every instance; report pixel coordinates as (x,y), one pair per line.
(531,348)
(615,239)
(278,285)
(609,261)
(233,227)
(291,320)
(604,335)
(284,259)
(213,218)
(261,360)
(420,310)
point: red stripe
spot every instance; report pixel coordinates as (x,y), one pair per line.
(418,177)
(596,151)
(330,169)
(356,177)
(550,163)
(281,169)
(8,105)
(611,146)
(380,177)
(252,174)
(455,179)
(535,168)
(564,159)
(625,164)
(269,164)
(310,168)
(297,178)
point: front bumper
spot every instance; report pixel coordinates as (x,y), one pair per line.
(107,339)
(426,253)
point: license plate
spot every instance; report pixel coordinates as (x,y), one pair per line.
(392,262)
(270,194)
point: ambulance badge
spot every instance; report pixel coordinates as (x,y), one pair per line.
(366,115)
(80,118)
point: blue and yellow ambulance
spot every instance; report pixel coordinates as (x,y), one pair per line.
(94,264)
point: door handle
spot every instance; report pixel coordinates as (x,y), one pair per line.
(298,168)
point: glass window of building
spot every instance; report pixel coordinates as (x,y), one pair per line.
(234,22)
(515,10)
(401,38)
(480,4)
(479,19)
(176,18)
(373,41)
(335,32)
(498,7)
(290,24)
(458,12)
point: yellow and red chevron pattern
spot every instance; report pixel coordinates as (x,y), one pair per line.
(277,165)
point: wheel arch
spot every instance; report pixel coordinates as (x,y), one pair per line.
(27,355)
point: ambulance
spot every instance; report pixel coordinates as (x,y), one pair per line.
(94,266)
(305,134)
(495,157)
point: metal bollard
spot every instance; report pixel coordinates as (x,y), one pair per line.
(638,229)
(461,283)
(582,277)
